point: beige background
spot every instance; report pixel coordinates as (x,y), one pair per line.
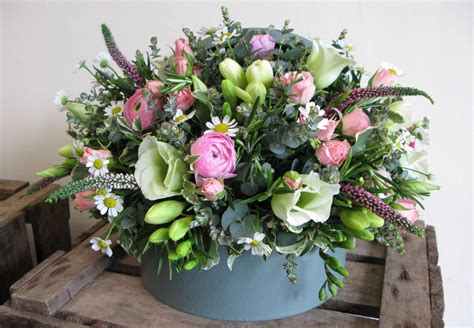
(431,42)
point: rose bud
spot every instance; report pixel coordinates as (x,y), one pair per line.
(355,122)
(333,152)
(212,189)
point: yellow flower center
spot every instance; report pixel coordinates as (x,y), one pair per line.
(102,244)
(101,192)
(180,118)
(225,35)
(98,164)
(116,110)
(110,202)
(79,152)
(222,128)
(254,243)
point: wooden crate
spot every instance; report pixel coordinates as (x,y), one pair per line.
(49,222)
(82,287)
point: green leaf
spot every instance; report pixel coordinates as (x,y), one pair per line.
(237,211)
(395,117)
(213,256)
(361,141)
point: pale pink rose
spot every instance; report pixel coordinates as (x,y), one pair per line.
(155,87)
(89,151)
(181,46)
(137,107)
(411,213)
(333,152)
(326,135)
(302,91)
(383,77)
(262,45)
(293,184)
(184,99)
(84,200)
(181,64)
(212,189)
(217,157)
(355,122)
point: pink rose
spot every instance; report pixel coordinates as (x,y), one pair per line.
(184,99)
(303,91)
(89,151)
(181,65)
(155,87)
(182,45)
(383,77)
(355,122)
(326,135)
(411,213)
(333,152)
(84,200)
(137,107)
(217,157)
(262,45)
(212,189)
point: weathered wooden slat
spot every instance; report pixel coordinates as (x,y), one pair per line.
(22,199)
(117,298)
(10,187)
(431,245)
(126,265)
(406,295)
(88,233)
(56,285)
(36,270)
(11,318)
(436,296)
(369,252)
(15,255)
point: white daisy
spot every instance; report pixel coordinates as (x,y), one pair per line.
(222,34)
(180,117)
(60,99)
(405,141)
(102,63)
(97,164)
(310,108)
(79,65)
(392,68)
(110,204)
(346,45)
(226,126)
(115,108)
(77,149)
(255,244)
(98,244)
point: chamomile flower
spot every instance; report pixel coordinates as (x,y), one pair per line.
(405,142)
(346,45)
(102,63)
(97,164)
(180,117)
(226,126)
(311,109)
(222,34)
(115,109)
(78,149)
(99,244)
(255,244)
(60,99)
(80,64)
(110,204)
(392,68)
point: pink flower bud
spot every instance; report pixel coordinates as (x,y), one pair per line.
(302,91)
(212,189)
(333,152)
(184,99)
(181,46)
(181,65)
(84,201)
(355,122)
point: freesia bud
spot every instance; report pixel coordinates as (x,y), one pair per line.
(159,236)
(179,228)
(66,151)
(256,90)
(261,71)
(184,248)
(198,85)
(354,218)
(78,110)
(191,264)
(164,212)
(173,256)
(232,70)
(228,91)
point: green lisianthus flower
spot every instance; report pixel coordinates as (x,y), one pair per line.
(160,169)
(310,203)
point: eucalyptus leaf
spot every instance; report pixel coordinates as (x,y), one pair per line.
(234,213)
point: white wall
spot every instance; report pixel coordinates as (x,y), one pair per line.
(430,41)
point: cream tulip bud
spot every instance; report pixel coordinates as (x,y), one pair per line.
(164,212)
(260,71)
(256,90)
(232,71)
(66,151)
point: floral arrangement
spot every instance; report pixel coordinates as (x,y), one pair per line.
(256,140)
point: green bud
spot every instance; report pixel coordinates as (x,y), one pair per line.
(173,256)
(228,91)
(354,219)
(349,243)
(256,90)
(375,220)
(333,262)
(332,288)
(418,187)
(159,236)
(54,172)
(242,94)
(78,110)
(164,212)
(179,228)
(198,85)
(360,234)
(260,71)
(184,248)
(322,294)
(226,110)
(232,70)
(342,271)
(332,278)
(66,151)
(191,264)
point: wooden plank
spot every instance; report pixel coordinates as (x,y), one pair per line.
(10,187)
(56,285)
(406,295)
(10,317)
(15,255)
(88,233)
(369,252)
(116,299)
(22,200)
(431,245)
(436,296)
(126,265)
(36,270)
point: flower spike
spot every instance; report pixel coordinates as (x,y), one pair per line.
(128,68)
